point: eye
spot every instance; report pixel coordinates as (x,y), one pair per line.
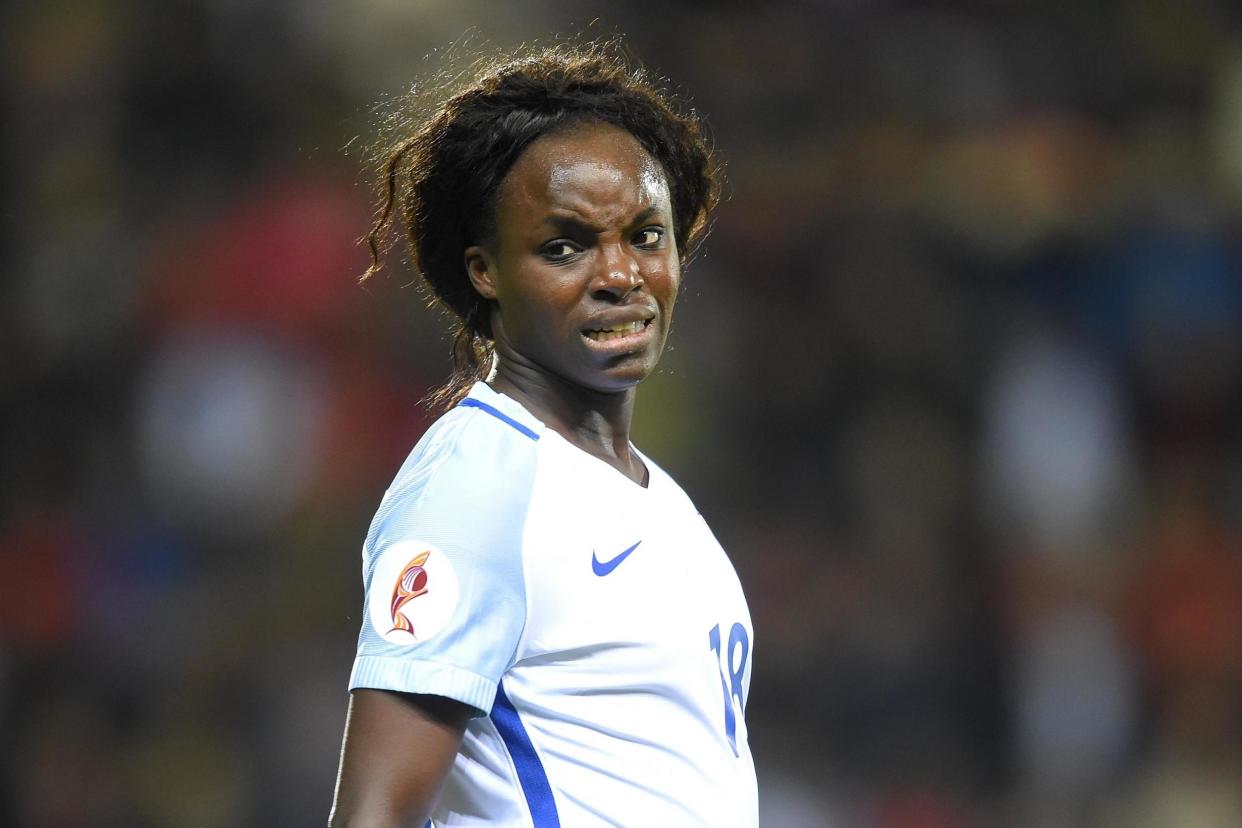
(649,237)
(558,250)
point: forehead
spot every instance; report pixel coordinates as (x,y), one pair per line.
(597,171)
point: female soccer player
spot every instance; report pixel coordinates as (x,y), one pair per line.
(552,635)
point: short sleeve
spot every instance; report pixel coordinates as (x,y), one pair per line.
(445,599)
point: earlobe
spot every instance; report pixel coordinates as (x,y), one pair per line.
(479,269)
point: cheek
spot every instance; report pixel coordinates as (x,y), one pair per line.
(668,280)
(539,303)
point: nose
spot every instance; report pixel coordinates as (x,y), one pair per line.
(619,274)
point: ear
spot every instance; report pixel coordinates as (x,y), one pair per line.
(481,269)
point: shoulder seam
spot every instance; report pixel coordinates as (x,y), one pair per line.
(471,402)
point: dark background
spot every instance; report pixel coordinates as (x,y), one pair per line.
(957,383)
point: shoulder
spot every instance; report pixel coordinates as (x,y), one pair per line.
(473,466)
(466,445)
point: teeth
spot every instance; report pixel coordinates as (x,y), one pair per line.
(616,332)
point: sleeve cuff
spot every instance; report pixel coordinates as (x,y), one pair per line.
(426,677)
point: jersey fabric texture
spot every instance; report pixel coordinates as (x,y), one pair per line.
(596,626)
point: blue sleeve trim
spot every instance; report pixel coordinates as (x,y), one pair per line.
(471,402)
(531,775)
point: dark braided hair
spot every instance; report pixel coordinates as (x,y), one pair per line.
(442,178)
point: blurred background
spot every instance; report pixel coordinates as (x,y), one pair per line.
(957,383)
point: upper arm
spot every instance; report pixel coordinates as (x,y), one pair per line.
(445,601)
(396,753)
(445,607)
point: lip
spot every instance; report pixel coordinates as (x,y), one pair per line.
(620,344)
(619,316)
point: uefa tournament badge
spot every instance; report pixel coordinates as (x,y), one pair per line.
(413,592)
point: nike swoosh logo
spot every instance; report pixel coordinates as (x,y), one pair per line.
(602,568)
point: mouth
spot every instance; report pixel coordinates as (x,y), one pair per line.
(624,330)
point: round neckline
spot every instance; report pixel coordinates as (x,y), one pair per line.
(546,430)
(651,475)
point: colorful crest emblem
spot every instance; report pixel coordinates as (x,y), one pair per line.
(413,592)
(411,584)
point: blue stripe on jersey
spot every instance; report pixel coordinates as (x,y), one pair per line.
(471,402)
(531,775)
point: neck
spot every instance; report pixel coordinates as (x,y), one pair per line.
(596,422)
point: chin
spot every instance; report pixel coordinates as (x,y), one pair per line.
(614,381)
(607,384)
(627,373)
(613,376)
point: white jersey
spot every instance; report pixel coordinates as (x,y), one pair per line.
(595,625)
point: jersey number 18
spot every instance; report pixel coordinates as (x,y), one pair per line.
(732,668)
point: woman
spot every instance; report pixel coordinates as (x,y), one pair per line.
(552,635)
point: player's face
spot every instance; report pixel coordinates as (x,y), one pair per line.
(584,269)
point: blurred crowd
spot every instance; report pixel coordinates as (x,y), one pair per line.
(957,382)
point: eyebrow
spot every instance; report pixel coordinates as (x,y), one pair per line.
(568,224)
